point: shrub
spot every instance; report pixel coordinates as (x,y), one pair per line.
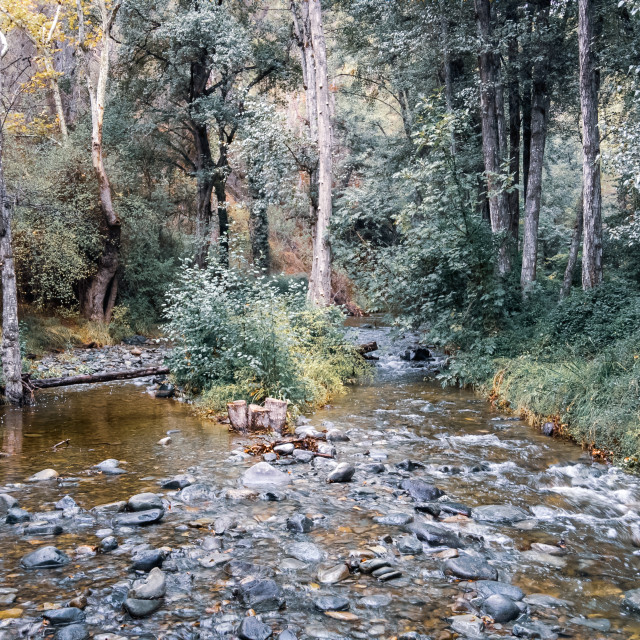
(240,335)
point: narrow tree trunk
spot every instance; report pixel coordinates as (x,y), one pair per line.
(97,297)
(526,111)
(204,189)
(489,77)
(573,249)
(10,347)
(259,231)
(514,128)
(592,194)
(320,281)
(220,188)
(57,98)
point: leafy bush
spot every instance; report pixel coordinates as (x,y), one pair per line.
(240,335)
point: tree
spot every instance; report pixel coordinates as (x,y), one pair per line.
(98,293)
(11,359)
(592,193)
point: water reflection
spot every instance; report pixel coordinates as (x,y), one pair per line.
(12,431)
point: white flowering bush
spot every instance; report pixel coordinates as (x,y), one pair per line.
(238,335)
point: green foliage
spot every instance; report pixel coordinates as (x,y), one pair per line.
(237,335)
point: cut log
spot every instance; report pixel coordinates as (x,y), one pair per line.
(238,415)
(277,413)
(368,347)
(258,418)
(47,383)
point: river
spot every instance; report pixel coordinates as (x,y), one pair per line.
(586,512)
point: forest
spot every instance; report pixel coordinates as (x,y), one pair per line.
(238,174)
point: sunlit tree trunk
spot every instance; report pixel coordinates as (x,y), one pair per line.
(514,126)
(259,229)
(11,360)
(99,292)
(576,237)
(592,194)
(488,65)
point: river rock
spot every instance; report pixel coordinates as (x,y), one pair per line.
(597,624)
(108,543)
(434,535)
(73,632)
(45,558)
(530,629)
(16,515)
(264,474)
(166,441)
(287,634)
(306,552)
(141,608)
(66,503)
(487,588)
(333,574)
(342,473)
(45,474)
(631,600)
(42,529)
(303,456)
(109,467)
(196,493)
(299,523)
(468,626)
(544,600)
(501,608)
(409,465)
(64,616)
(335,435)
(7,502)
(259,594)
(499,514)
(139,518)
(409,545)
(111,507)
(253,629)
(147,559)
(154,586)
(178,482)
(331,603)
(144,502)
(376,601)
(420,490)
(285,449)
(470,568)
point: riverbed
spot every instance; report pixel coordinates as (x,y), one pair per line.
(508,504)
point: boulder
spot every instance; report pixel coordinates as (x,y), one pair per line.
(501,608)
(153,587)
(45,474)
(342,473)
(420,490)
(45,558)
(253,629)
(64,616)
(262,474)
(141,608)
(470,568)
(144,502)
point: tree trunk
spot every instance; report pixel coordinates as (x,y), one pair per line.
(204,189)
(526,112)
(573,249)
(11,360)
(49,383)
(320,281)
(539,120)
(488,65)
(514,128)
(258,418)
(277,414)
(592,194)
(259,230)
(220,187)
(238,416)
(98,292)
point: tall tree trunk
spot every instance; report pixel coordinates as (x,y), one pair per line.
(526,110)
(592,194)
(11,360)
(539,121)
(220,188)
(514,127)
(204,189)
(488,65)
(576,237)
(259,230)
(320,281)
(99,292)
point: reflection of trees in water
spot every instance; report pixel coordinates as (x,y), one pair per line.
(12,432)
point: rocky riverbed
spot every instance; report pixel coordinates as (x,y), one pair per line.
(431,517)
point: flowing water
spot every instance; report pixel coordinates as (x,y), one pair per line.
(474,454)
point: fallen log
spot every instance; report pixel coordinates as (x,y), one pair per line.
(47,383)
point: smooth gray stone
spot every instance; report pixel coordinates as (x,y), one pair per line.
(139,518)
(597,624)
(409,545)
(45,558)
(394,519)
(470,568)
(299,523)
(501,608)
(15,515)
(7,502)
(147,559)
(154,586)
(73,632)
(631,600)
(144,502)
(109,543)
(64,616)
(287,634)
(306,552)
(66,503)
(468,626)
(262,474)
(420,490)
(197,493)
(141,608)
(179,482)
(434,535)
(533,630)
(499,514)
(42,529)
(333,574)
(45,474)
(486,588)
(331,603)
(342,473)
(376,601)
(253,629)
(260,594)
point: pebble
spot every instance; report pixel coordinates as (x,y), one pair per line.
(154,586)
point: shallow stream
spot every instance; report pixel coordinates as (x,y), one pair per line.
(586,512)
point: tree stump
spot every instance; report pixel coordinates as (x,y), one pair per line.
(258,418)
(238,415)
(277,413)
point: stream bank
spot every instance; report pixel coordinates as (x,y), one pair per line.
(528,518)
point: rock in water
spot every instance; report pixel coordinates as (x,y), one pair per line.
(468,626)
(333,574)
(179,482)
(139,518)
(299,523)
(331,603)
(342,473)
(488,588)
(470,568)
(434,535)
(631,600)
(409,545)
(7,502)
(147,560)
(264,474)
(66,503)
(501,608)
(499,514)
(252,629)
(259,594)
(420,490)
(145,502)
(45,558)
(45,474)
(141,608)
(196,493)
(16,515)
(306,552)
(153,587)
(73,632)
(64,616)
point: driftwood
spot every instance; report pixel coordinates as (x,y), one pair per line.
(367,347)
(277,413)
(47,383)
